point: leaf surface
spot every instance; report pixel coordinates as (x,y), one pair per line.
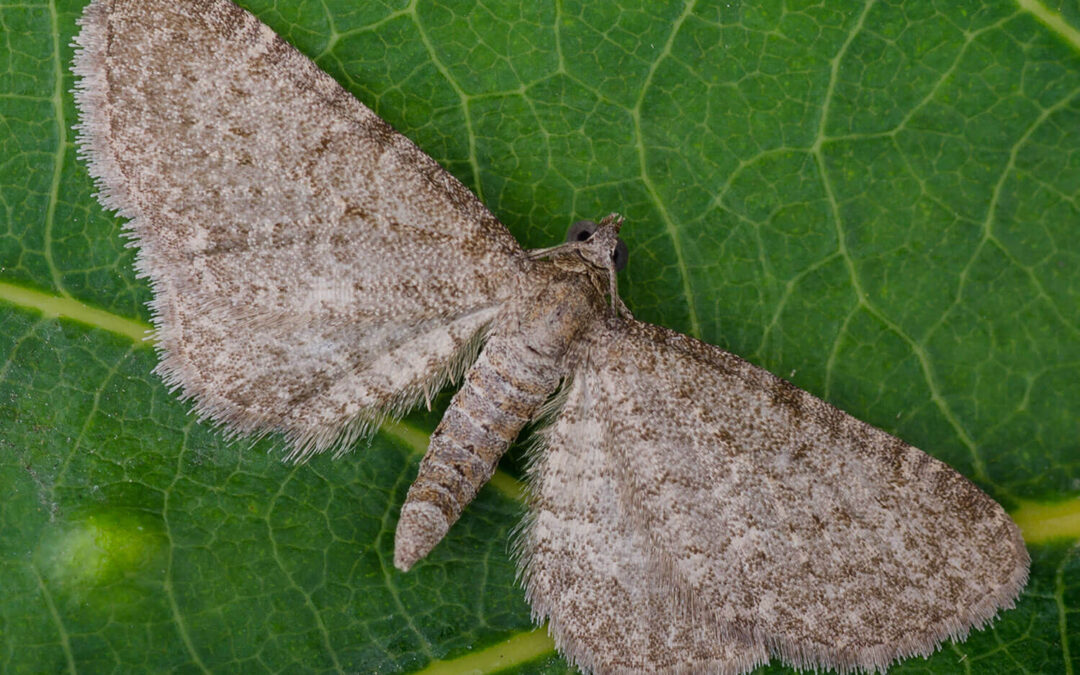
(878,201)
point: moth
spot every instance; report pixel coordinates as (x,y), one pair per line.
(314,272)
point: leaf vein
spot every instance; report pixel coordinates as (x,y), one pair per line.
(650,187)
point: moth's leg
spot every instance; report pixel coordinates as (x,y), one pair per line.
(502,391)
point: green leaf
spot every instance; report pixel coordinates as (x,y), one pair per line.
(878,201)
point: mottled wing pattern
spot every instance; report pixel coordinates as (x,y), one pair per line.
(798,528)
(312,269)
(588,565)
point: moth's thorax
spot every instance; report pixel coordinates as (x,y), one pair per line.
(547,315)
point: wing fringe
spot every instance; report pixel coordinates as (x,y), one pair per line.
(802,656)
(302,444)
(91,92)
(574,650)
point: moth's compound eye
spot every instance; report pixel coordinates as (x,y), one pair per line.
(620,256)
(581,230)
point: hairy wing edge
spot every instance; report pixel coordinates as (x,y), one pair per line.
(116,193)
(617,359)
(783,394)
(586,567)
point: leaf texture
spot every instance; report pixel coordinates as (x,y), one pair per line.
(877,201)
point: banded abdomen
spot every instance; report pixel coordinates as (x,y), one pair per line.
(519,367)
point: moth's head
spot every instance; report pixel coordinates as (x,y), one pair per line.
(599,243)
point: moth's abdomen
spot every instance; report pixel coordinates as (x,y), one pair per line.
(501,393)
(519,368)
